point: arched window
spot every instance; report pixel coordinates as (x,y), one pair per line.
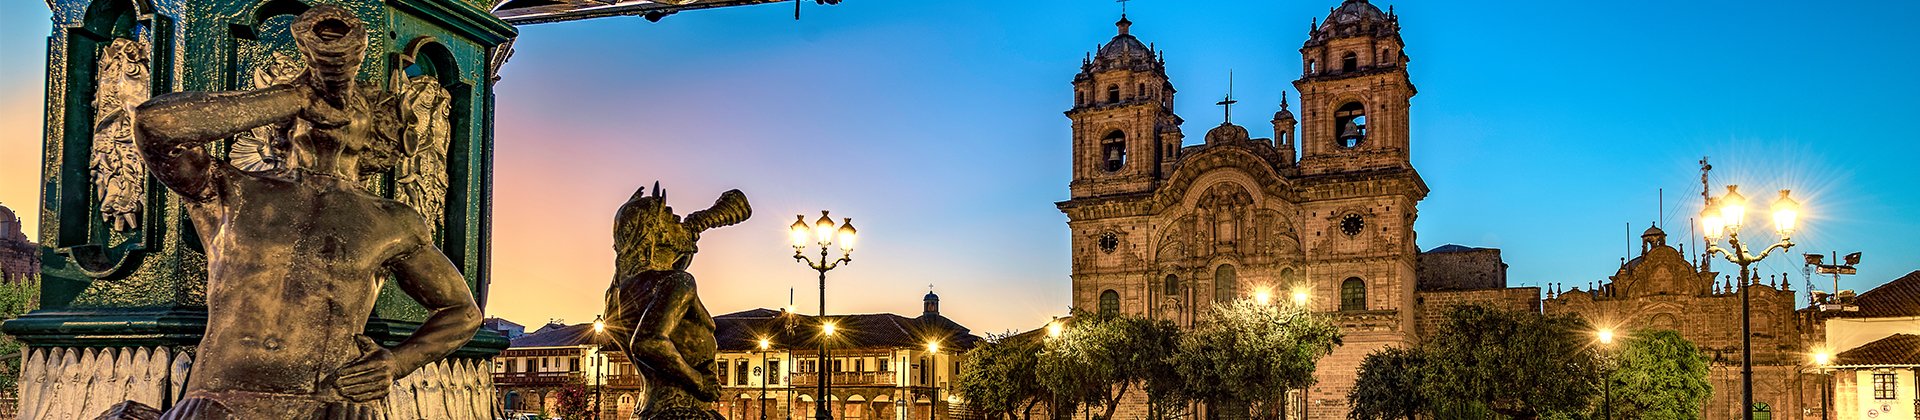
(1143,90)
(1079,97)
(1313,67)
(1351,122)
(1349,62)
(1353,294)
(1173,285)
(1113,93)
(1225,283)
(1109,302)
(1113,149)
(1288,279)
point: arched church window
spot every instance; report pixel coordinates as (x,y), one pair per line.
(1173,285)
(1109,302)
(1113,93)
(1351,122)
(1349,62)
(1079,97)
(1353,294)
(1114,150)
(1225,283)
(1313,67)
(1142,90)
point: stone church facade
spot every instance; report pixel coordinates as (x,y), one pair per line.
(1164,229)
(1660,289)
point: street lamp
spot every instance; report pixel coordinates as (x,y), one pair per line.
(822,233)
(1300,296)
(599,366)
(765,373)
(1605,335)
(1262,296)
(1724,216)
(1823,360)
(933,375)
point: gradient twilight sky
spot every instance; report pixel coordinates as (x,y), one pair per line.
(1543,128)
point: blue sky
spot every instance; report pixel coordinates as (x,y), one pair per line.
(1543,128)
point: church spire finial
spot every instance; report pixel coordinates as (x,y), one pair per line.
(1283,100)
(1124,24)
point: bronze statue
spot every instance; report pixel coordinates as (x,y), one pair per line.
(653,309)
(296,255)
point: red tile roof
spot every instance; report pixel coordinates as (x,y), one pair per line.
(1897,298)
(1897,349)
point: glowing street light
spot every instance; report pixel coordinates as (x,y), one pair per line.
(1054,329)
(1823,360)
(1300,296)
(1262,296)
(1605,335)
(822,233)
(933,347)
(1722,218)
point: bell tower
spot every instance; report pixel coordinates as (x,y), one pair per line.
(1354,92)
(1125,136)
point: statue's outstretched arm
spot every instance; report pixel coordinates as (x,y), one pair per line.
(172,128)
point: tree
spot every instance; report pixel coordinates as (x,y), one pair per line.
(1518,364)
(1657,374)
(1249,352)
(571,403)
(998,377)
(16,298)
(1098,358)
(1389,386)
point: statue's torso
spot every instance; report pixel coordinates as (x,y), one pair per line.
(294,266)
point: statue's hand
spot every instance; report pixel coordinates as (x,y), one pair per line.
(367,378)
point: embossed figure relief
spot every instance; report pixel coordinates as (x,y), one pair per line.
(1225,209)
(420,173)
(264,148)
(119,178)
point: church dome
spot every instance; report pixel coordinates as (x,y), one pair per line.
(1124,48)
(1355,17)
(1226,132)
(1653,231)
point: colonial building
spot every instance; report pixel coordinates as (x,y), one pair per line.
(882,366)
(1660,289)
(1165,229)
(19,256)
(1874,339)
(530,374)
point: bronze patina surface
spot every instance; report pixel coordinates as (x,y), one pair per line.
(653,310)
(297,255)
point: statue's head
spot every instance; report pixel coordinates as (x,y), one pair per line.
(648,236)
(333,40)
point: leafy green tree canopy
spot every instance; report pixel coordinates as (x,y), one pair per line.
(1098,358)
(1389,386)
(1519,364)
(1247,351)
(1658,375)
(999,378)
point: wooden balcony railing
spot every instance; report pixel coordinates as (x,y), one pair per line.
(846,378)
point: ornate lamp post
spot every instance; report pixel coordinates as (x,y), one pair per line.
(1725,216)
(1605,335)
(821,233)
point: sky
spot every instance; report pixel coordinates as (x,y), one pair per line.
(1546,129)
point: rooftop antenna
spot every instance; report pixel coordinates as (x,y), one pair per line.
(1706,198)
(1662,210)
(1227,103)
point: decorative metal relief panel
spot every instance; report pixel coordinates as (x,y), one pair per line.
(119,176)
(420,171)
(264,148)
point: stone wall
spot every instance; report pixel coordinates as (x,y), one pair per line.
(1432,306)
(1454,267)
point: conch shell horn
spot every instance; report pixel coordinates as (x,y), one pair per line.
(731,208)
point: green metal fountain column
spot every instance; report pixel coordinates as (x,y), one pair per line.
(124,275)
